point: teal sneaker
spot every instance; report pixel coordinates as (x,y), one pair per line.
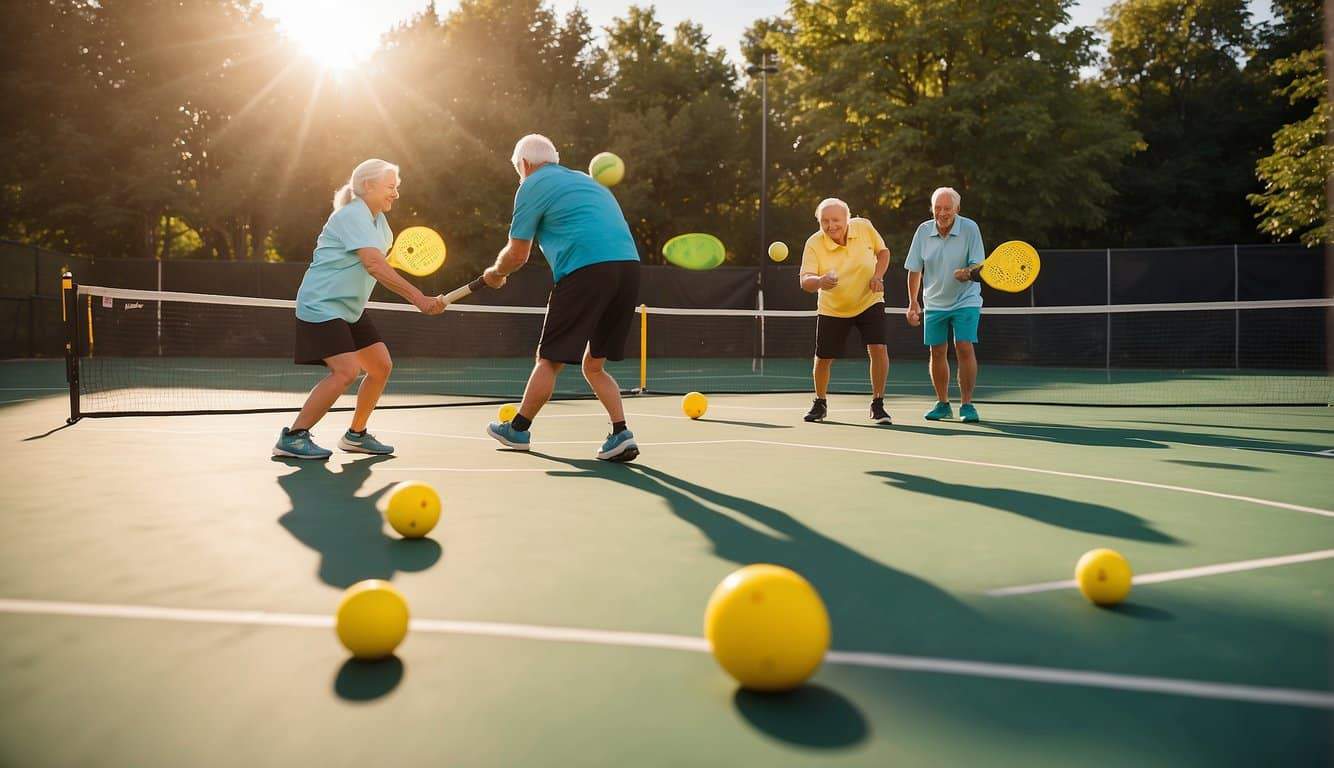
(968,414)
(296,444)
(505,434)
(941,411)
(619,447)
(363,443)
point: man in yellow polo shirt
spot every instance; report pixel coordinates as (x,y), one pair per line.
(846,261)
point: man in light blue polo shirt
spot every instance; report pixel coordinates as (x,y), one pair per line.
(595,264)
(943,250)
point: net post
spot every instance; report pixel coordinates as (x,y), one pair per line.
(69,314)
(1107,364)
(643,347)
(758,367)
(1236,313)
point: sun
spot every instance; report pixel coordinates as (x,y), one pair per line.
(337,35)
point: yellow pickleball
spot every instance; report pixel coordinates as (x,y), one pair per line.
(507,412)
(413,509)
(1104,576)
(372,619)
(606,169)
(778,251)
(694,405)
(767,627)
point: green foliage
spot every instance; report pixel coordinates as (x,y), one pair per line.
(167,129)
(1296,175)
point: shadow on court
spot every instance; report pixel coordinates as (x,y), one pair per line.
(1113,437)
(368,680)
(755,424)
(811,716)
(328,516)
(1050,510)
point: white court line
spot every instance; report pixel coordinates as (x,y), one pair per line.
(1185,573)
(460,469)
(1199,689)
(1057,473)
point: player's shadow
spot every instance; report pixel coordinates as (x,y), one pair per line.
(328,516)
(1142,436)
(867,599)
(1051,510)
(368,680)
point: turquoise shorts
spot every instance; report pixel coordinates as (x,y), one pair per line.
(938,324)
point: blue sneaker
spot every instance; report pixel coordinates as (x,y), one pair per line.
(941,411)
(619,447)
(968,414)
(298,445)
(505,434)
(364,443)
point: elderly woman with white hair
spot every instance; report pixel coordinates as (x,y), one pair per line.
(332,328)
(595,265)
(942,265)
(845,262)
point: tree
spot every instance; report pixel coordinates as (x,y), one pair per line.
(1175,68)
(1295,175)
(897,98)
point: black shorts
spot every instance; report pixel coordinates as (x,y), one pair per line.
(592,307)
(316,341)
(831,333)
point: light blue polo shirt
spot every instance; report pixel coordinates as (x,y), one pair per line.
(937,257)
(576,221)
(336,285)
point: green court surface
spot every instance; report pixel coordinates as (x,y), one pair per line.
(166,588)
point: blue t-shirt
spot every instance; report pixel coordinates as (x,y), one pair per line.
(576,221)
(337,285)
(937,257)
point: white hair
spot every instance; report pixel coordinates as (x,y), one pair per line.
(536,149)
(945,191)
(828,201)
(367,171)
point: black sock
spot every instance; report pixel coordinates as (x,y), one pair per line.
(820,400)
(617,427)
(352,431)
(298,432)
(880,400)
(521,422)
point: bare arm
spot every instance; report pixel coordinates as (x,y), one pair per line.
(378,267)
(811,282)
(881,266)
(510,260)
(914,287)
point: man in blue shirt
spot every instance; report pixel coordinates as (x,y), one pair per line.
(595,265)
(940,265)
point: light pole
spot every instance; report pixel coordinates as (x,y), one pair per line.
(763,69)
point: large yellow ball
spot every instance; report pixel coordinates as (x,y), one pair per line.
(507,412)
(778,251)
(372,619)
(694,405)
(413,509)
(767,627)
(607,169)
(1104,576)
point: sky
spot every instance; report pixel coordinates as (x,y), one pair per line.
(327,28)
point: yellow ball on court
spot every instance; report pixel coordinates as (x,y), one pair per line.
(607,169)
(413,509)
(694,405)
(372,619)
(508,411)
(767,627)
(778,251)
(1103,576)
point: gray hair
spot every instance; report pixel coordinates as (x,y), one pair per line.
(536,149)
(828,201)
(945,191)
(367,171)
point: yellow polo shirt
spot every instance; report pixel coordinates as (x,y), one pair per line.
(854,264)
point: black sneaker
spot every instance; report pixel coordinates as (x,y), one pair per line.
(819,410)
(878,414)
